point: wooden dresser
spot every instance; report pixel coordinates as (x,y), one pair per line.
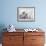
(23,39)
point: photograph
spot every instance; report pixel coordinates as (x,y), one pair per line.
(26,14)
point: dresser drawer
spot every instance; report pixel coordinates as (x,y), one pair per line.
(13,33)
(34,33)
(37,44)
(12,39)
(13,44)
(37,39)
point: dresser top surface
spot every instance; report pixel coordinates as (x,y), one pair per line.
(22,30)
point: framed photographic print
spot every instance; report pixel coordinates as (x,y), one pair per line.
(26,14)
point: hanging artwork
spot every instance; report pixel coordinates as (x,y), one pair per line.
(26,14)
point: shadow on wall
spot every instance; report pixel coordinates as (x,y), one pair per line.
(2,26)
